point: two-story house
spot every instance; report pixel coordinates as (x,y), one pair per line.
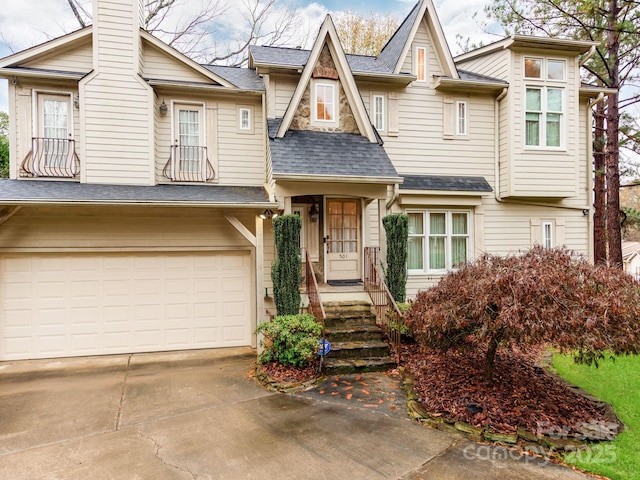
(137,213)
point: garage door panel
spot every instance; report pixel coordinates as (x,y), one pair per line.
(87,304)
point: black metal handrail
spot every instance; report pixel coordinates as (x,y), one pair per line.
(51,157)
(388,315)
(189,163)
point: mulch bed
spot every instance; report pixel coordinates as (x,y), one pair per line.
(281,373)
(522,395)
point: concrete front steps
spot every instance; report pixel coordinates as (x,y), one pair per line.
(356,341)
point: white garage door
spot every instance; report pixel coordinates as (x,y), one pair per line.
(92,304)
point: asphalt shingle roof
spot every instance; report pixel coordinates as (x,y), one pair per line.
(466,75)
(242,78)
(444,182)
(35,191)
(390,54)
(303,152)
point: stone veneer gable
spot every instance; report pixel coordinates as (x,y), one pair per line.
(325,68)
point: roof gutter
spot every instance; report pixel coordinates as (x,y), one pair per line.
(8,72)
(133,203)
(337,178)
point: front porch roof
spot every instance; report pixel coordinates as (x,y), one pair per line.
(25,192)
(445,183)
(329,157)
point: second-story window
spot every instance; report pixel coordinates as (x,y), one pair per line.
(461,118)
(544,116)
(378,113)
(245,118)
(421,64)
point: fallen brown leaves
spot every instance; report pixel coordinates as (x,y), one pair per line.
(289,374)
(522,394)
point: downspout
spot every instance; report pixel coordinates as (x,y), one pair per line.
(496,148)
(394,197)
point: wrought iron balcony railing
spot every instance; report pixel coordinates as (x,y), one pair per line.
(189,164)
(51,157)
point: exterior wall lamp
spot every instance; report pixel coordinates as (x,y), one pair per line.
(162,108)
(314,213)
(268,214)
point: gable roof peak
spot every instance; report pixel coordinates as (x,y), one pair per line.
(328,35)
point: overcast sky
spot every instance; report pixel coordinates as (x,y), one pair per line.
(24,24)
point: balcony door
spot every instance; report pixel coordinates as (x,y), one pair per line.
(189,150)
(54,129)
(343,239)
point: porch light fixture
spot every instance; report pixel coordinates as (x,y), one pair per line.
(314,213)
(76,101)
(162,108)
(268,214)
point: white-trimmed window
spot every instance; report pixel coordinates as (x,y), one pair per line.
(544,117)
(461,118)
(547,234)
(244,118)
(420,64)
(324,102)
(55,124)
(544,69)
(378,112)
(439,240)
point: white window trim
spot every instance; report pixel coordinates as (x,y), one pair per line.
(543,229)
(250,128)
(426,64)
(314,105)
(374,111)
(564,69)
(542,68)
(465,129)
(544,88)
(448,229)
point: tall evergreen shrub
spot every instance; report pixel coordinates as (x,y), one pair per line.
(285,271)
(397,228)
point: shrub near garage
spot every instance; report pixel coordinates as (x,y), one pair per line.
(290,340)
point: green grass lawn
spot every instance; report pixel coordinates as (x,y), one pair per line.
(618,383)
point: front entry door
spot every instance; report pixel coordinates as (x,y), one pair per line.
(343,239)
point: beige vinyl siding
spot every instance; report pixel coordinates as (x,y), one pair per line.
(420,148)
(284,86)
(237,158)
(494,65)
(117,117)
(543,172)
(77,59)
(82,228)
(159,65)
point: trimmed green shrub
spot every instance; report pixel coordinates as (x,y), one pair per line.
(397,228)
(291,340)
(285,271)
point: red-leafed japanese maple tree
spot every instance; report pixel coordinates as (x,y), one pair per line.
(544,296)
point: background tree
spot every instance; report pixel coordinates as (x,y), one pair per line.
(615,25)
(364,35)
(541,297)
(190,27)
(285,270)
(4,144)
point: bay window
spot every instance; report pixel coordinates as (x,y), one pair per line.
(438,240)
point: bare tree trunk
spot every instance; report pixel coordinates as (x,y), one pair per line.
(490,359)
(599,215)
(614,235)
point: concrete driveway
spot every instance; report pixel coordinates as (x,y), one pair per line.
(200,415)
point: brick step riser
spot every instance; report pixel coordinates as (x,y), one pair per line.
(359,353)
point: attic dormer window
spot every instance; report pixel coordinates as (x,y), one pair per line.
(420,64)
